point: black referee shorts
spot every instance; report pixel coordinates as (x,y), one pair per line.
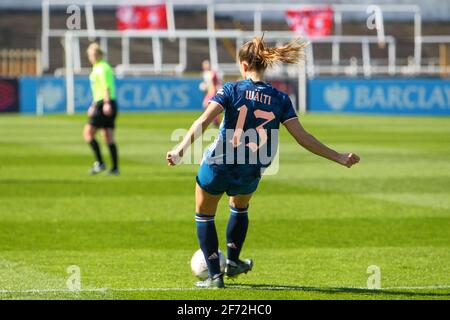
(100,120)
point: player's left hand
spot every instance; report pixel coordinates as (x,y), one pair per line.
(107,110)
(173,158)
(348,159)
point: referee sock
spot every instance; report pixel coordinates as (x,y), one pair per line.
(209,243)
(95,147)
(236,232)
(114,157)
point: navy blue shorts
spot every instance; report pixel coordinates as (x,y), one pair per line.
(217,179)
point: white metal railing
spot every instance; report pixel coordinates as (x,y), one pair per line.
(239,37)
(334,66)
(254,9)
(433,69)
(88,5)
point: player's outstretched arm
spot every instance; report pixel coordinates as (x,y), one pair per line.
(313,145)
(196,130)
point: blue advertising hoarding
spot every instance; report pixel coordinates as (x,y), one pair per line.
(389,96)
(133,94)
(377,96)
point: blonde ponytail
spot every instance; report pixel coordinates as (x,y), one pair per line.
(259,56)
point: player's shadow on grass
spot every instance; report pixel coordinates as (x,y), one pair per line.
(333,290)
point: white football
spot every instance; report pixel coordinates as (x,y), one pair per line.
(199,267)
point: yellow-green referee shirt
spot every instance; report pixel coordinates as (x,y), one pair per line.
(102,78)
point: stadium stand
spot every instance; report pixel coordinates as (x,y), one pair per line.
(22,30)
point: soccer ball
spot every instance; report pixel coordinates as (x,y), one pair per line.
(199,267)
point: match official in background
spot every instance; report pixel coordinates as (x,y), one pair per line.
(102,113)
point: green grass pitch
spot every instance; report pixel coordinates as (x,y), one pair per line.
(315,227)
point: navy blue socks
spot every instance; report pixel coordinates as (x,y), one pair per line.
(208,241)
(207,237)
(236,232)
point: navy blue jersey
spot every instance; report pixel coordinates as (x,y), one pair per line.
(248,133)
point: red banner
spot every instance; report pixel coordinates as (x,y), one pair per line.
(141,17)
(312,21)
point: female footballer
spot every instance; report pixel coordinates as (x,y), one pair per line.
(248,105)
(102,113)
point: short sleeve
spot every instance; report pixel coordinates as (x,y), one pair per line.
(101,77)
(288,110)
(223,96)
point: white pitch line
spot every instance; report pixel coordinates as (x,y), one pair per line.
(243,287)
(416,288)
(287,288)
(96,290)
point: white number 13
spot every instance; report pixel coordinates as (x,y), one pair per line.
(268,116)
